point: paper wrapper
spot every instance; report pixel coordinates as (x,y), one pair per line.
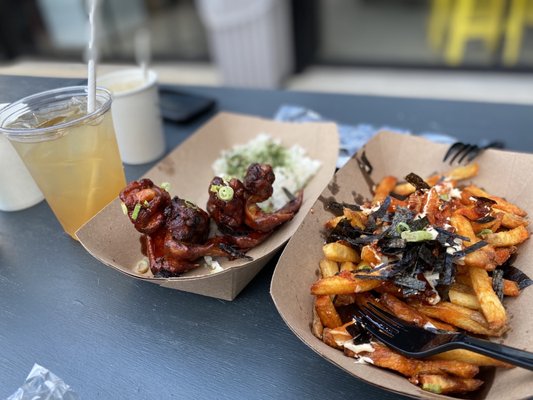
(502,173)
(111,238)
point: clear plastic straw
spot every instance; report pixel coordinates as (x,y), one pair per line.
(91,67)
(143,51)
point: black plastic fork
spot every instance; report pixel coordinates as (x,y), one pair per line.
(467,152)
(417,342)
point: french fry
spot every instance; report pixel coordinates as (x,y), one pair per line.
(383,189)
(463,296)
(462,317)
(369,256)
(332,223)
(510,288)
(404,189)
(347,266)
(326,312)
(493,225)
(456,174)
(343,283)
(409,314)
(501,203)
(482,258)
(337,336)
(356,218)
(384,357)
(489,302)
(328,268)
(463,172)
(442,384)
(508,238)
(337,251)
(510,220)
(470,357)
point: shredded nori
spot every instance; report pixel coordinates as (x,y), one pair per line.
(514,274)
(337,208)
(497,282)
(417,181)
(486,219)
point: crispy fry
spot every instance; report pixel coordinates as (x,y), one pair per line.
(489,302)
(463,296)
(370,256)
(337,251)
(482,258)
(328,268)
(337,336)
(493,225)
(409,314)
(404,189)
(343,283)
(326,312)
(510,288)
(357,218)
(462,317)
(383,189)
(508,238)
(510,220)
(332,223)
(442,384)
(463,172)
(501,203)
(470,357)
(384,357)
(348,266)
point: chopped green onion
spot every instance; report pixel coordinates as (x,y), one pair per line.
(146,204)
(214,188)
(165,186)
(402,227)
(364,267)
(432,387)
(485,232)
(225,193)
(124,208)
(417,236)
(135,212)
(445,197)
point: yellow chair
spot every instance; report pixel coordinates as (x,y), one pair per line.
(520,17)
(439,19)
(462,21)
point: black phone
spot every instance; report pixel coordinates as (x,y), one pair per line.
(182,107)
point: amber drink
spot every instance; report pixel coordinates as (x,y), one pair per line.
(72,155)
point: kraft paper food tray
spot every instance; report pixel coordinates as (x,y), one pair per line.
(111,238)
(502,173)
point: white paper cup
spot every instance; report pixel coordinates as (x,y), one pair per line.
(17,188)
(136,115)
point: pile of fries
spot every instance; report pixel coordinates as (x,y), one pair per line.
(407,251)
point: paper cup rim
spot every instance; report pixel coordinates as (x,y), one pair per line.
(123,74)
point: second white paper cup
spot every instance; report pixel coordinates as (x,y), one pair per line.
(136,115)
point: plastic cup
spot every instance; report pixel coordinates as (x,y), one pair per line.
(17,188)
(72,156)
(136,114)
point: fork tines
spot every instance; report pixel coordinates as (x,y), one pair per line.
(467,152)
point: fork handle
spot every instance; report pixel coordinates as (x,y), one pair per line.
(498,351)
